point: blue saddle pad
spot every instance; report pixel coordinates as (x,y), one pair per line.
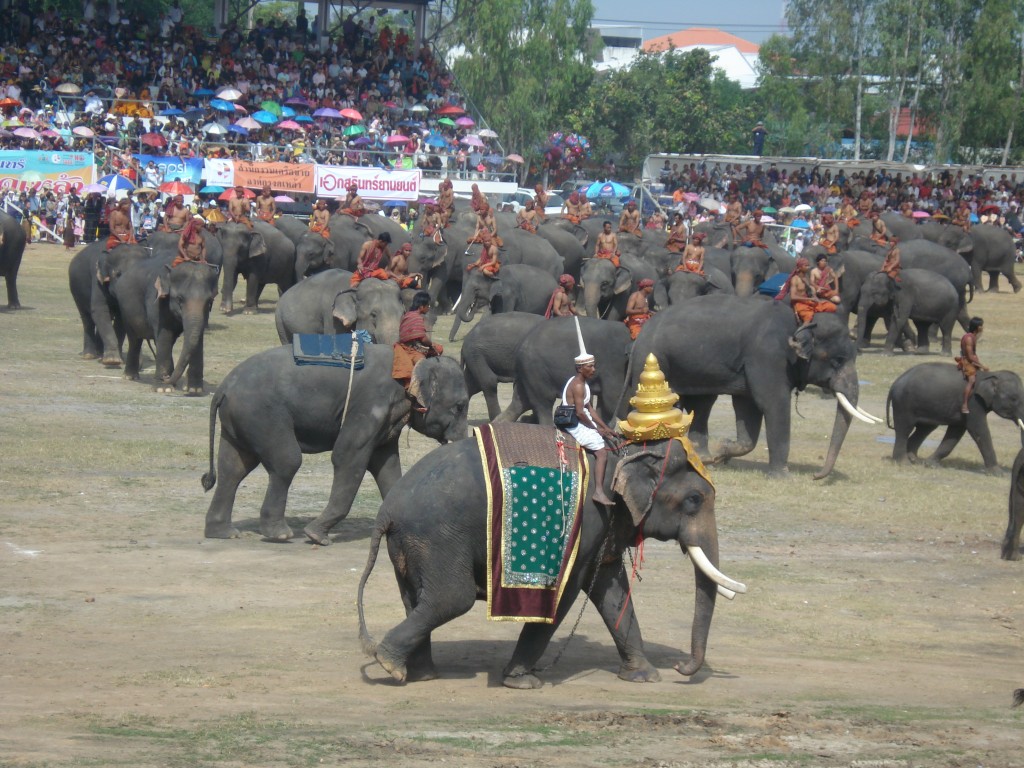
(772,285)
(333,350)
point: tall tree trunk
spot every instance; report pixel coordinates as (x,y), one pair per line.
(896,104)
(1016,107)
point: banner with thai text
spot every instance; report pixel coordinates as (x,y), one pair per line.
(373,183)
(62,172)
(186,169)
(282,177)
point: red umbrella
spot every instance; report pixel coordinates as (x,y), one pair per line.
(176,188)
(154,140)
(229,194)
(989,209)
(451,109)
(351,114)
(8,102)
(396,139)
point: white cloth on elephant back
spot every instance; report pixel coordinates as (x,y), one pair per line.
(586,436)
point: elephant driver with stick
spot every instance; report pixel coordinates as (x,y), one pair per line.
(802,299)
(968,361)
(414,342)
(372,256)
(488,263)
(590,432)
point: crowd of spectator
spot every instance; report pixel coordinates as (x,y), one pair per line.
(128,68)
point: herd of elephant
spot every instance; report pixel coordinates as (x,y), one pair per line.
(736,344)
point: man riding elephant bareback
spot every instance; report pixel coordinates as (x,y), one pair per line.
(824,280)
(803,300)
(372,258)
(607,245)
(239,208)
(879,232)
(829,239)
(432,224)
(629,221)
(414,342)
(693,256)
(353,205)
(398,269)
(446,201)
(892,266)
(488,263)
(191,244)
(266,206)
(176,215)
(752,232)
(968,361)
(638,308)
(485,222)
(561,304)
(576,209)
(527,218)
(540,201)
(121,230)
(677,235)
(320,220)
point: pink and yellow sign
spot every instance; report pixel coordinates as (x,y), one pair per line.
(63,172)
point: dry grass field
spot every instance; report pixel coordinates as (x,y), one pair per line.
(880,628)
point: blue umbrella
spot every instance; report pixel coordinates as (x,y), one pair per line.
(115,182)
(494,159)
(434,140)
(193,114)
(302,119)
(239,130)
(264,117)
(222,105)
(211,189)
(799,224)
(607,190)
(172,112)
(203,92)
(288,112)
(395,204)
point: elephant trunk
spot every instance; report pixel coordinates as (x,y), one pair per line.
(467,308)
(703,608)
(592,299)
(386,330)
(193,319)
(302,265)
(844,385)
(744,283)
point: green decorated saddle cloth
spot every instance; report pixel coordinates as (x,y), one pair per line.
(536,481)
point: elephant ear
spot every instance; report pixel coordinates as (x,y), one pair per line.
(635,482)
(345,310)
(163,282)
(623,280)
(257,246)
(986,387)
(328,251)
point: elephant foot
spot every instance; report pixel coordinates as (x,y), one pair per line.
(279,531)
(221,531)
(421,674)
(165,388)
(195,391)
(225,310)
(688,668)
(113,361)
(249,311)
(12,307)
(524,682)
(996,471)
(393,666)
(641,673)
(317,535)
(778,473)
(88,356)
(1017,287)
(129,376)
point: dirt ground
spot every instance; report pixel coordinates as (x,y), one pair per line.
(880,629)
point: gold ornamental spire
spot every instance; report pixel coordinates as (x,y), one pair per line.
(654,417)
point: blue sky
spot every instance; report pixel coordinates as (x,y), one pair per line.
(753,20)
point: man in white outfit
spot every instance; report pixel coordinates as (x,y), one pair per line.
(591,431)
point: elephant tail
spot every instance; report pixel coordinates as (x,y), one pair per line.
(970,292)
(368,644)
(210,478)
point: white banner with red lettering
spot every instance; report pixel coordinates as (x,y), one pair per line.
(373,183)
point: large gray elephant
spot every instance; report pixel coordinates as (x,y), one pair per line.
(12,248)
(516,288)
(161,302)
(489,353)
(436,523)
(741,347)
(544,363)
(906,230)
(1011,541)
(313,252)
(993,252)
(680,286)
(347,238)
(565,244)
(262,254)
(605,290)
(929,395)
(326,303)
(921,296)
(272,411)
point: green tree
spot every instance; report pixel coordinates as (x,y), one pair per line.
(523,65)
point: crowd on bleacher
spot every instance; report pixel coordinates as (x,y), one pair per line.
(95,81)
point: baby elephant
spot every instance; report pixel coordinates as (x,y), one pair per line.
(929,395)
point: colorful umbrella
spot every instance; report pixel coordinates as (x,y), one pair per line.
(248,123)
(240,109)
(472,141)
(921,215)
(303,119)
(83,132)
(515,158)
(49,133)
(211,189)
(8,102)
(283,199)
(465,122)
(289,125)
(607,190)
(67,89)
(172,112)
(176,188)
(435,140)
(272,107)
(203,93)
(396,138)
(354,130)
(487,133)
(222,105)
(229,94)
(298,101)
(26,133)
(451,109)
(351,114)
(264,117)
(157,140)
(447,121)
(12,123)
(214,129)
(115,182)
(287,112)
(327,112)
(248,194)
(766,209)
(240,130)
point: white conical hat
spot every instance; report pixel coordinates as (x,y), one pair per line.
(583,357)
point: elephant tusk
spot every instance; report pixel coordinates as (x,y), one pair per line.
(455,306)
(1020,424)
(870,416)
(728,594)
(701,561)
(848,407)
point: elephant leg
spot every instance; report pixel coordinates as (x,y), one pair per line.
(233,466)
(350,464)
(513,411)
(611,598)
(925,331)
(1011,275)
(914,439)
(132,364)
(977,428)
(993,281)
(953,434)
(700,406)
(164,360)
(386,467)
(748,429)
(777,432)
(419,665)
(281,466)
(12,291)
(1011,539)
(105,322)
(194,385)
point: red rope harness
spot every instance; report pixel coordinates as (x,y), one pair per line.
(639,543)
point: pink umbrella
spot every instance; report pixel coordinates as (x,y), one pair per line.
(249,124)
(921,215)
(241,109)
(465,122)
(691,197)
(289,125)
(283,198)
(515,158)
(83,131)
(50,133)
(397,139)
(472,141)
(351,114)
(26,133)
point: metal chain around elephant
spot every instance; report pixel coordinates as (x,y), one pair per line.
(590,589)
